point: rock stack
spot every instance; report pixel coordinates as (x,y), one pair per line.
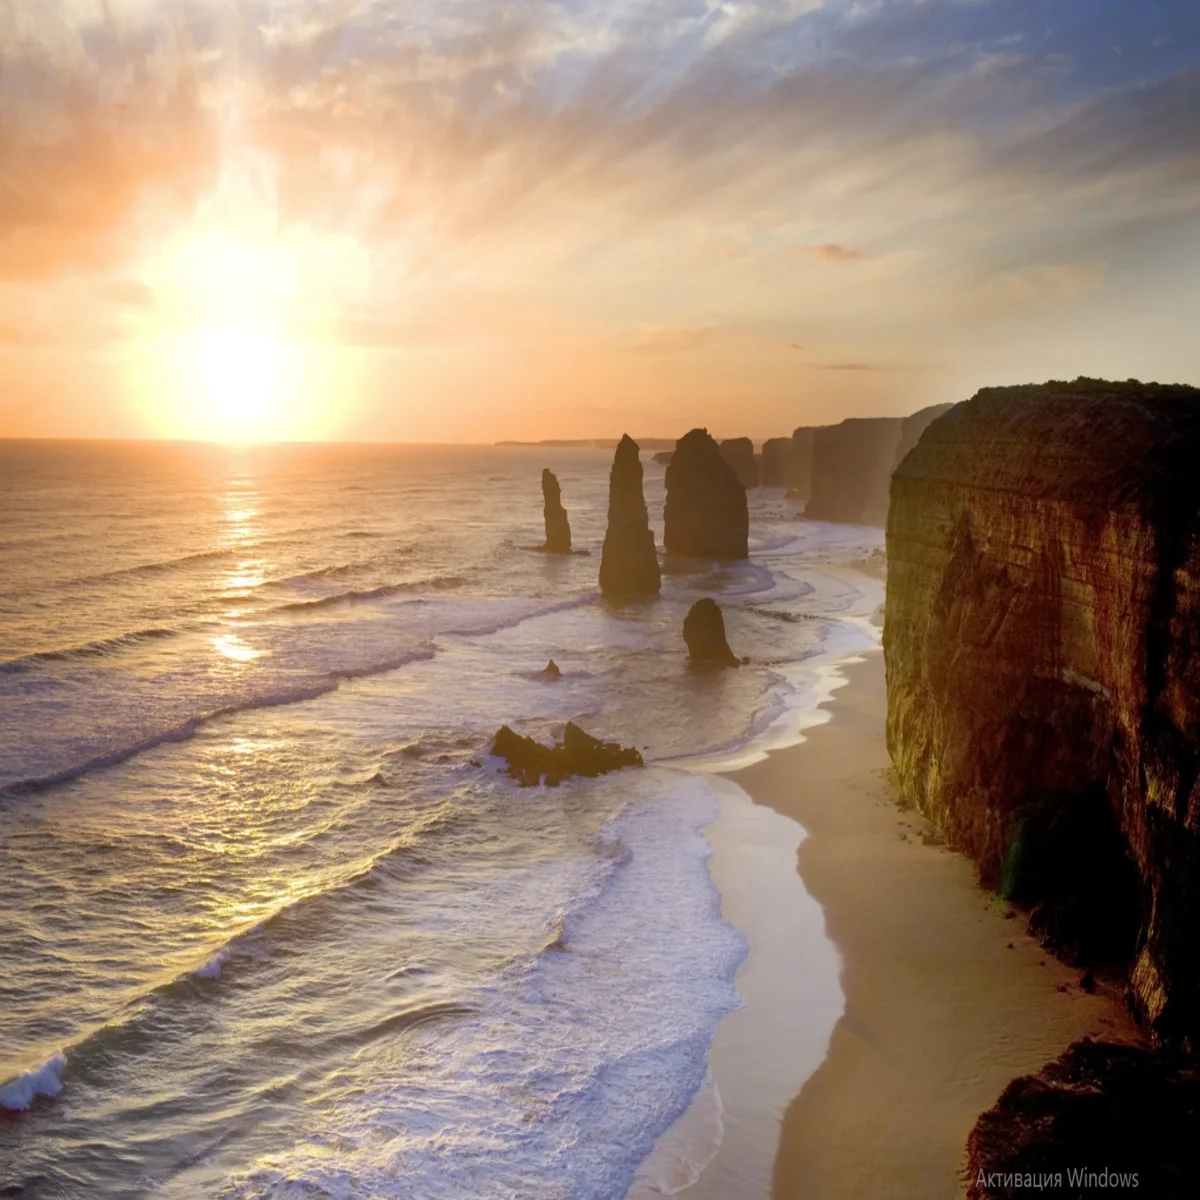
(704,632)
(800,466)
(629,568)
(558,528)
(852,470)
(706,514)
(739,454)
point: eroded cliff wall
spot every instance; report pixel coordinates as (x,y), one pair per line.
(852,469)
(1042,648)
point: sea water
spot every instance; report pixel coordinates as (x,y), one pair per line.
(272,922)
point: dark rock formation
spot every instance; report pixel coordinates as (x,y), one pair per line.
(578,753)
(1099,1108)
(629,566)
(776,462)
(800,467)
(553,670)
(1042,645)
(704,632)
(664,456)
(852,470)
(739,454)
(558,529)
(705,514)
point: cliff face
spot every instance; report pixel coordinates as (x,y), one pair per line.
(914,426)
(629,566)
(852,468)
(1042,647)
(706,514)
(558,529)
(800,466)
(739,454)
(776,462)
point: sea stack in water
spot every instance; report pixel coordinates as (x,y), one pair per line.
(800,465)
(629,568)
(739,454)
(1042,646)
(704,632)
(706,514)
(558,528)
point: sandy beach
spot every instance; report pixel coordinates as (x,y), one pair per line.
(946,997)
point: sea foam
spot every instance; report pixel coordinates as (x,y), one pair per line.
(47,1080)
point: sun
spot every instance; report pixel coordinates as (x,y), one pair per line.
(233,352)
(239,372)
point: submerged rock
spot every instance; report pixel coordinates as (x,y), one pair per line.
(558,528)
(578,753)
(706,514)
(704,632)
(1042,645)
(1102,1109)
(739,454)
(629,566)
(776,462)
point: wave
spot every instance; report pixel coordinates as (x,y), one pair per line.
(154,568)
(46,1080)
(437,583)
(187,729)
(100,648)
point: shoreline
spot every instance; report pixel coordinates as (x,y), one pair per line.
(947,997)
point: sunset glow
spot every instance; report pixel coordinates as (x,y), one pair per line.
(404,222)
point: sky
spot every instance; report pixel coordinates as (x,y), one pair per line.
(468,220)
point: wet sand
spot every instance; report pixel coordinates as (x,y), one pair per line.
(946,997)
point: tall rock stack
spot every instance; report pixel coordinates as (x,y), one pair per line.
(800,465)
(629,568)
(776,461)
(558,528)
(739,454)
(1042,647)
(706,514)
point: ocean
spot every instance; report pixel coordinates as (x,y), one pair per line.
(272,922)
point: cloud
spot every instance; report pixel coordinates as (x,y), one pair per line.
(847,366)
(832,252)
(672,341)
(1038,286)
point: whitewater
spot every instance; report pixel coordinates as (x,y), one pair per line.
(272,922)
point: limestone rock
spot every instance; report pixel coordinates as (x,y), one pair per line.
(663,457)
(852,470)
(739,454)
(1101,1107)
(558,529)
(1042,647)
(704,632)
(914,426)
(629,565)
(578,753)
(776,462)
(800,466)
(553,670)
(706,514)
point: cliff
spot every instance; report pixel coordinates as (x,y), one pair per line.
(852,468)
(1042,648)
(776,462)
(800,466)
(739,454)
(558,529)
(629,566)
(705,514)
(914,426)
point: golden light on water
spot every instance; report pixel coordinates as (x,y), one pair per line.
(232,647)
